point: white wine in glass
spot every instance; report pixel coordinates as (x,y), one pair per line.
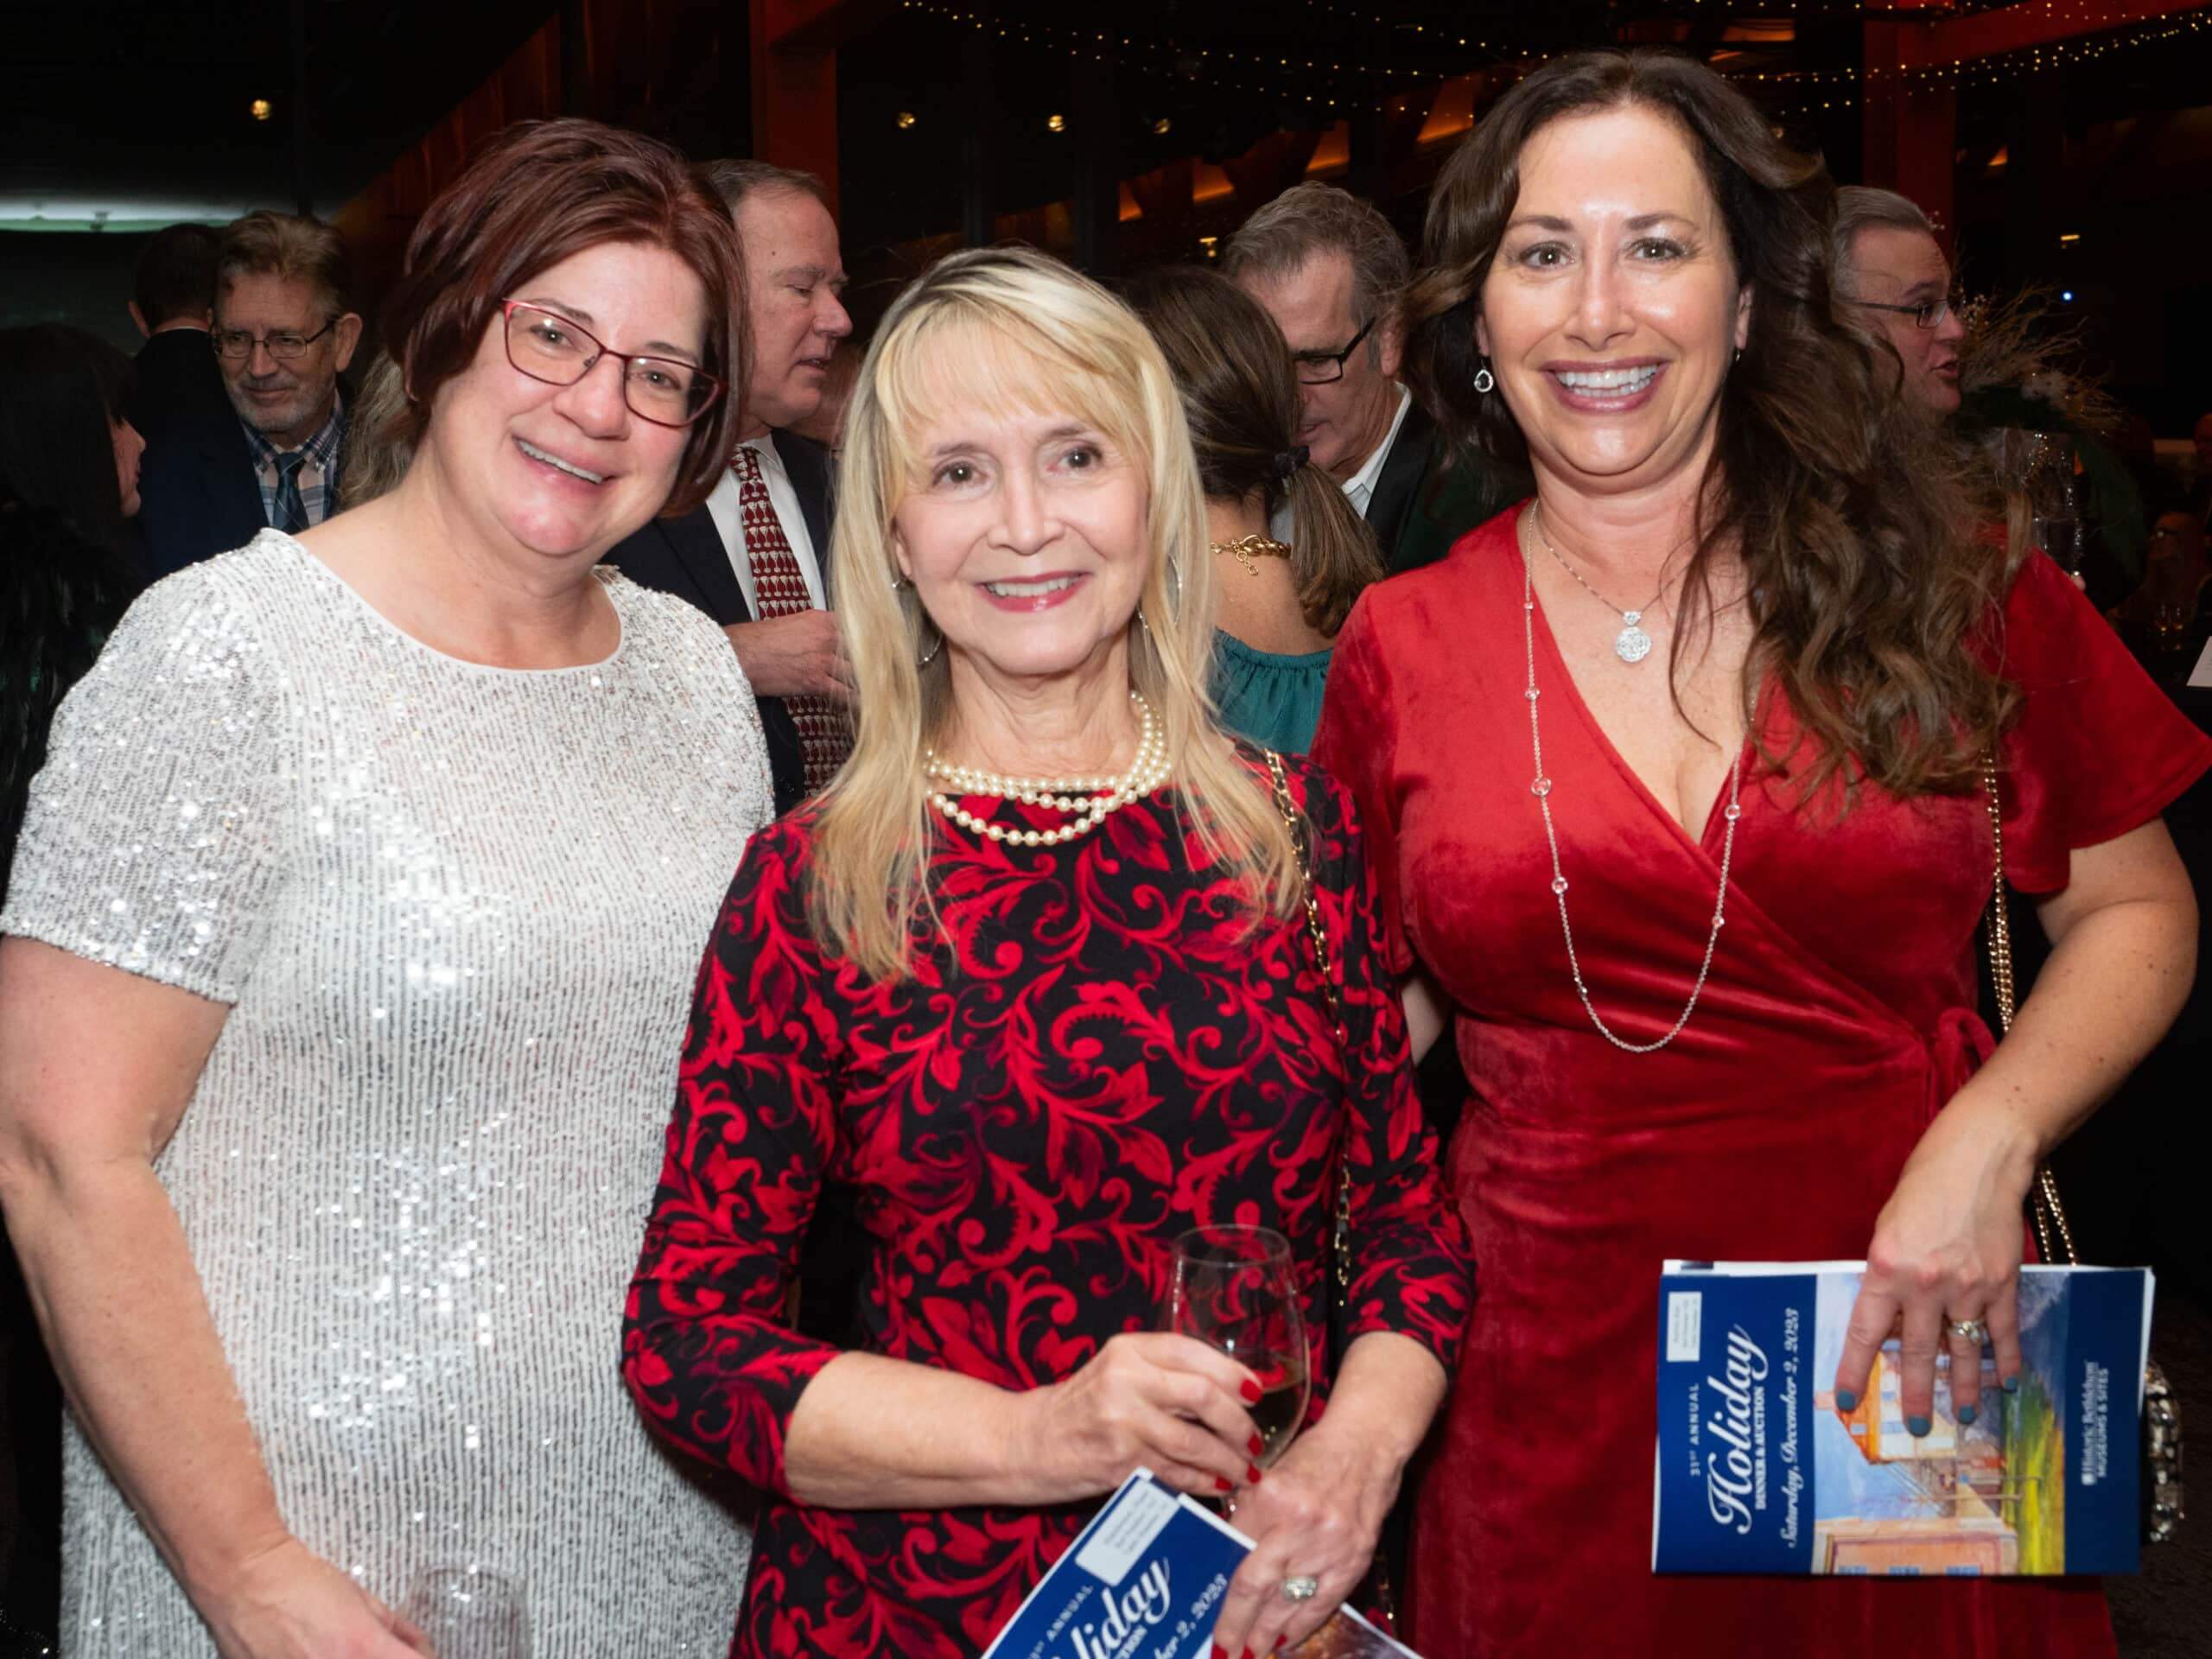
(1233,1289)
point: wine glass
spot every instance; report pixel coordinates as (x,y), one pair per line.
(469,1613)
(1232,1289)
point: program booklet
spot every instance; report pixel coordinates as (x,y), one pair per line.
(1761,1470)
(1145,1579)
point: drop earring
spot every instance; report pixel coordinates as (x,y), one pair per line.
(1485,382)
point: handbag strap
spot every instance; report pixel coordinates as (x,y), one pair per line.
(1317,930)
(2054,1236)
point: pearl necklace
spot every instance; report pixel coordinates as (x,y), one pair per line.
(1541,787)
(1089,799)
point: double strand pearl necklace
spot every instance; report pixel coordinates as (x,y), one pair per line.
(1541,787)
(1089,799)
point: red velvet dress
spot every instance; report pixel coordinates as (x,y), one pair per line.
(1837,1019)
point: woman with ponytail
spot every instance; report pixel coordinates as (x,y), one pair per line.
(1280,606)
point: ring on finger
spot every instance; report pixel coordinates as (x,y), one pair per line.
(1300,1586)
(1969,1330)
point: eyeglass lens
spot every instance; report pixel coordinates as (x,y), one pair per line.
(663,389)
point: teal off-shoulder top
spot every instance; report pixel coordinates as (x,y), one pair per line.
(1270,700)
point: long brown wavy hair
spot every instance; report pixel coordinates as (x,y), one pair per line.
(1872,596)
(1240,394)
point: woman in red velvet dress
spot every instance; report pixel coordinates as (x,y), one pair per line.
(1042,1029)
(1790,722)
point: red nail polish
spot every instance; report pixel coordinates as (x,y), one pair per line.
(1222,1485)
(1248,1653)
(1220,1652)
(1251,1391)
(1255,1445)
(1252,1474)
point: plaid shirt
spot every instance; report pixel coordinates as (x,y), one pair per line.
(318,477)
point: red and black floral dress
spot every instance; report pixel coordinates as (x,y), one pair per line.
(1100,1054)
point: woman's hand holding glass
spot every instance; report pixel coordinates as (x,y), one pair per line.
(1168,1402)
(287,1603)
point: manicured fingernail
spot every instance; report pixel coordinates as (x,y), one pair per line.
(2012,1385)
(1255,1445)
(1918,1427)
(1252,1473)
(1965,1415)
(1251,1391)
(1221,1485)
(1248,1653)
(1220,1652)
(1845,1400)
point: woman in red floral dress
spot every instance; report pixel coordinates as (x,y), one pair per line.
(1041,1028)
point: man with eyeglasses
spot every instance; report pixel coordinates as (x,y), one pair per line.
(1892,274)
(282,333)
(1329,270)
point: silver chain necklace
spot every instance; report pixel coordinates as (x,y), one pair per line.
(1631,643)
(1541,787)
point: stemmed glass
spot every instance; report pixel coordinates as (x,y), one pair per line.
(1232,1289)
(469,1613)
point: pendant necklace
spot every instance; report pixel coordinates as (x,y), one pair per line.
(1631,643)
(1541,787)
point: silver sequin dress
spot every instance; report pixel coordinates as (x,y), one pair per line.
(458,911)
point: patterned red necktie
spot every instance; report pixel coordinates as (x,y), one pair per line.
(825,734)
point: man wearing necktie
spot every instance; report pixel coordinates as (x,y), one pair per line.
(282,334)
(755,558)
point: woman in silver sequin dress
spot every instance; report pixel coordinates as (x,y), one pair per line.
(353,926)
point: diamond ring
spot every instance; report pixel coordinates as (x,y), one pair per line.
(1303,1587)
(1970,1331)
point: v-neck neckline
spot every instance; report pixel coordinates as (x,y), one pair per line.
(1747,756)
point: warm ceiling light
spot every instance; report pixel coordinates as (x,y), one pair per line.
(905,120)
(2069,236)
(1055,124)
(1162,127)
(261,109)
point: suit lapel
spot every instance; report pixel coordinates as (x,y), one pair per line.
(1398,487)
(698,548)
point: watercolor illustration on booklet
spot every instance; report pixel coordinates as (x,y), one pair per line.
(1760,1469)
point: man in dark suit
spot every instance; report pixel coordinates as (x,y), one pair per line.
(172,302)
(282,333)
(1329,270)
(755,558)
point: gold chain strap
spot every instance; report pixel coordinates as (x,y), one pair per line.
(1386,1599)
(1317,930)
(2054,1235)
(2162,1508)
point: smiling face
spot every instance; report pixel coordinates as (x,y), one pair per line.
(285,399)
(794,278)
(563,470)
(1892,265)
(1612,310)
(1025,532)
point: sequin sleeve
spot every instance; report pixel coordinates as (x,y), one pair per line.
(147,842)
(706,1351)
(1411,1269)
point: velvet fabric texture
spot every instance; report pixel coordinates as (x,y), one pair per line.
(1837,1019)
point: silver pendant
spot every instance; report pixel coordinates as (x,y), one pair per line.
(1631,643)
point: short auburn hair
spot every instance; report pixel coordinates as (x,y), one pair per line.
(539,193)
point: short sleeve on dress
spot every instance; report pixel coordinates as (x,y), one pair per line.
(1357,743)
(2098,750)
(146,843)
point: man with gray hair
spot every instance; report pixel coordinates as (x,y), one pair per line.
(755,556)
(1332,271)
(283,331)
(1891,272)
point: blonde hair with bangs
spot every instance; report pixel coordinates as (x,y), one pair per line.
(1011,328)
